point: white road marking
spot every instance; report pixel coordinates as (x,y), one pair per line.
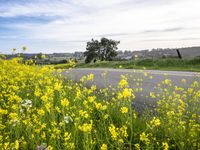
(153,72)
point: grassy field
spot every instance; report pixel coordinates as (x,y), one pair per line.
(157,64)
(41,110)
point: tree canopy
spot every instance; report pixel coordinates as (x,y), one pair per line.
(105,49)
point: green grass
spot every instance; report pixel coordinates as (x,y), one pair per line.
(156,64)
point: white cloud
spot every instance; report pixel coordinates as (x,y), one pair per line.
(53,8)
(136,23)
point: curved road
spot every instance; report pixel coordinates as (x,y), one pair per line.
(147,80)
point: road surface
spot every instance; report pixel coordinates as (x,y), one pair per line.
(147,83)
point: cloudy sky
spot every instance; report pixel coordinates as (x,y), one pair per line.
(66,25)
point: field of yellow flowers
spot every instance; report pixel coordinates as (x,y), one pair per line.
(42,110)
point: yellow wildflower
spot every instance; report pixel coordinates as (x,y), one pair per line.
(48,106)
(166,81)
(67,136)
(58,86)
(121,141)
(152,95)
(91,99)
(113,131)
(13,116)
(165,145)
(183,81)
(105,116)
(155,122)
(127,92)
(144,138)
(137,146)
(41,112)
(64,102)
(124,110)
(16,145)
(90,77)
(57,109)
(86,127)
(104,147)
(123,83)
(99,106)
(3,111)
(123,131)
(84,114)
(50,147)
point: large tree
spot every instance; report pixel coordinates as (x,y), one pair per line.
(92,49)
(105,49)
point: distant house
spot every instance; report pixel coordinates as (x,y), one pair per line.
(126,55)
(58,57)
(186,53)
(78,55)
(190,52)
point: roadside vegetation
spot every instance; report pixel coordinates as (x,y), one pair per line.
(42,110)
(102,54)
(155,64)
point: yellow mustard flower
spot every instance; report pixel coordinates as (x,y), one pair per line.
(124,110)
(113,132)
(90,77)
(137,146)
(165,145)
(103,147)
(86,127)
(144,138)
(84,114)
(155,122)
(16,145)
(65,102)
(127,93)
(41,112)
(123,83)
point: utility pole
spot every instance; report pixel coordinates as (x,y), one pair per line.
(179,54)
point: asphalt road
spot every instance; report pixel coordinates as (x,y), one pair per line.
(147,83)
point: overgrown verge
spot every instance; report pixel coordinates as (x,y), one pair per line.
(41,110)
(157,64)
